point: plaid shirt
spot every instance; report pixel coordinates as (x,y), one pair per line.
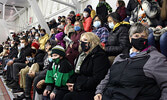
(102,33)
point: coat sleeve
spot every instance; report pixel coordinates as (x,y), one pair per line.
(151,10)
(100,88)
(87,24)
(104,36)
(157,69)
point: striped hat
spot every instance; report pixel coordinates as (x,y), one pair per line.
(58,50)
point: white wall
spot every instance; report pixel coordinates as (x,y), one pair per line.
(49,8)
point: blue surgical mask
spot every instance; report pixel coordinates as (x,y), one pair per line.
(77,28)
(22,45)
(97,24)
(19,48)
(50,59)
(30,59)
(42,34)
(36,37)
(111,25)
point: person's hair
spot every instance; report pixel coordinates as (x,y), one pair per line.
(43,30)
(54,29)
(24,38)
(81,25)
(138,28)
(164,10)
(101,19)
(92,38)
(115,16)
(37,33)
(121,3)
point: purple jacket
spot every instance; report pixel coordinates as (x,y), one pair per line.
(60,37)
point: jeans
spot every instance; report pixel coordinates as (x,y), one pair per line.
(162,42)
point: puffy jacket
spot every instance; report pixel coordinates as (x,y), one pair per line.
(87,24)
(43,40)
(118,40)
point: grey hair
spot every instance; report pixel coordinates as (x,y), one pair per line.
(138,28)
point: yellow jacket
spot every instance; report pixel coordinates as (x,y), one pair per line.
(93,13)
(43,40)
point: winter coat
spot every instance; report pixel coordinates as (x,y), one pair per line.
(43,40)
(118,40)
(72,53)
(142,77)
(59,37)
(87,24)
(132,4)
(151,10)
(93,13)
(23,53)
(122,12)
(58,74)
(13,52)
(92,70)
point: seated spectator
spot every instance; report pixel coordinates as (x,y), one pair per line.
(90,68)
(37,36)
(158,35)
(57,75)
(121,10)
(18,63)
(138,75)
(99,29)
(42,40)
(73,43)
(53,33)
(68,26)
(93,13)
(118,40)
(87,20)
(59,39)
(147,13)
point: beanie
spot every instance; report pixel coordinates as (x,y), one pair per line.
(58,50)
(87,10)
(35,44)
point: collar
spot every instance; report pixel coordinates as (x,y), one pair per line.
(120,23)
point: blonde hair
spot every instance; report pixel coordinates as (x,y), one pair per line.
(164,10)
(92,38)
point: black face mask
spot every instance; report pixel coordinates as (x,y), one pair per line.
(84,47)
(140,43)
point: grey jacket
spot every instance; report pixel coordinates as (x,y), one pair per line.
(155,68)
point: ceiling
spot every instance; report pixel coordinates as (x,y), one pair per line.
(9,10)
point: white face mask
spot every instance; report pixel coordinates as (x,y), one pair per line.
(85,14)
(22,45)
(12,45)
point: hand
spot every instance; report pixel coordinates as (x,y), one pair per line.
(98,97)
(26,62)
(70,86)
(159,27)
(71,45)
(14,58)
(31,74)
(52,96)
(10,62)
(46,92)
(40,83)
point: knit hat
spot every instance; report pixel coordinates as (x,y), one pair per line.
(35,45)
(87,10)
(72,12)
(58,50)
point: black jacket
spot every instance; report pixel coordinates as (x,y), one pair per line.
(118,40)
(13,52)
(23,53)
(93,69)
(132,4)
(39,58)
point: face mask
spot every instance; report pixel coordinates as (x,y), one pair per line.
(19,48)
(85,14)
(97,24)
(22,45)
(30,59)
(56,60)
(77,28)
(50,59)
(42,34)
(12,45)
(36,37)
(84,46)
(111,25)
(140,43)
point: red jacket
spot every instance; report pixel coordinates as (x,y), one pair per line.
(87,24)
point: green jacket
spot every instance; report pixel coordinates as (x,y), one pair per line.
(59,73)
